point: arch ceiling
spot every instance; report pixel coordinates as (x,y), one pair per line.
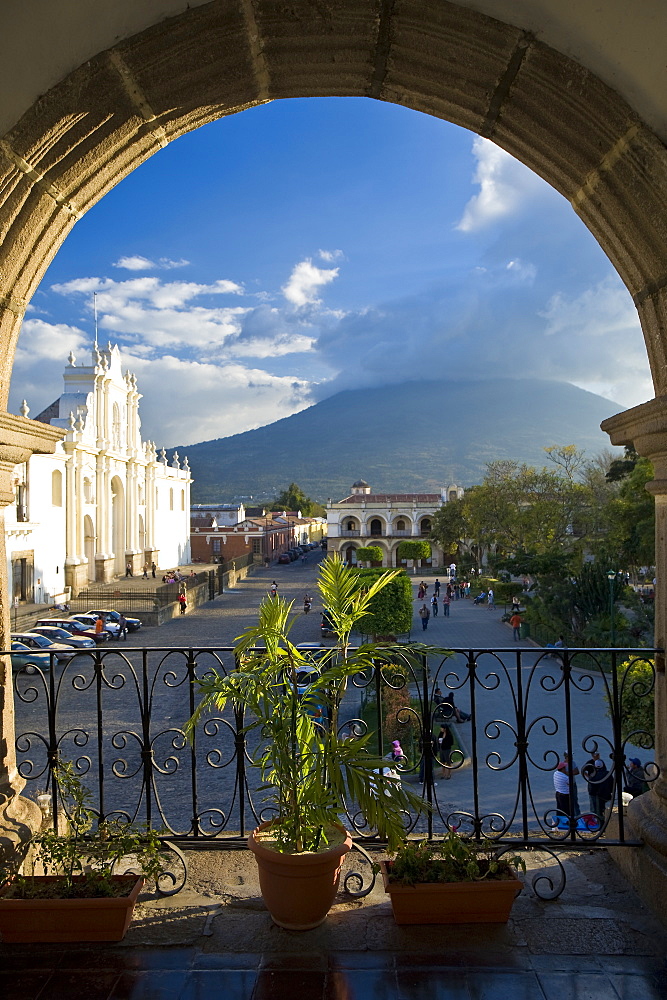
(94,100)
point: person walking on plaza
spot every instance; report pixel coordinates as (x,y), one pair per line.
(122,627)
(274,588)
(446,602)
(128,569)
(436,587)
(145,572)
(434,606)
(515,622)
(491,601)
(424,614)
(421,592)
(183,601)
(565,806)
(153,569)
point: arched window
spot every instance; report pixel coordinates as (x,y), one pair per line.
(425,526)
(57,488)
(376,526)
(351,525)
(400,524)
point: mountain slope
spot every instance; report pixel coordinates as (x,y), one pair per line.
(416,436)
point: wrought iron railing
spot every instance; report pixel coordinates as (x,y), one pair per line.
(119,715)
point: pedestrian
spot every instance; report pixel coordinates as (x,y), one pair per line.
(153,569)
(421,592)
(128,569)
(516,604)
(446,602)
(99,626)
(183,601)
(396,755)
(445,741)
(122,627)
(453,711)
(452,571)
(434,606)
(515,622)
(274,588)
(490,598)
(303,558)
(436,587)
(600,784)
(635,778)
(424,614)
(145,571)
(565,806)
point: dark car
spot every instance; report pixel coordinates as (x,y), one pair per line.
(327,626)
(284,558)
(75,628)
(24,658)
(40,644)
(133,624)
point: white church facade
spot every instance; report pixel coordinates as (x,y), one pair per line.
(103,500)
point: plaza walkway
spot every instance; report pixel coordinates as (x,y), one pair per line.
(595,942)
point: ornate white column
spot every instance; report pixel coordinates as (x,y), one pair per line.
(19,439)
(645,428)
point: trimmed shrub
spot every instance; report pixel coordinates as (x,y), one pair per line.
(390,611)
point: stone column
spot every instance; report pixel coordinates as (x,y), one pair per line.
(19,439)
(645,428)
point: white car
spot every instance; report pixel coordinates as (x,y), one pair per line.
(89,621)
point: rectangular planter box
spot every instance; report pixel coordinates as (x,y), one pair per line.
(33,920)
(483,902)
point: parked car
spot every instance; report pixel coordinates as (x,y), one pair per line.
(133,624)
(327,625)
(75,628)
(284,558)
(41,644)
(89,622)
(23,656)
(57,634)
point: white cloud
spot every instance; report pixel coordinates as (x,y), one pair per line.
(189,401)
(138,263)
(329,256)
(135,263)
(504,185)
(305,281)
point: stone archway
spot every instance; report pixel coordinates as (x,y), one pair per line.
(121,105)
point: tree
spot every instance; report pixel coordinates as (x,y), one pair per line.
(415,550)
(293,498)
(369,554)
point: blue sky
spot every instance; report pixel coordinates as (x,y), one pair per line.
(308,246)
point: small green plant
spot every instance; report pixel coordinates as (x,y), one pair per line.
(86,856)
(455,859)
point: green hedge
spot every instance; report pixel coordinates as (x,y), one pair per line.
(502,592)
(391,609)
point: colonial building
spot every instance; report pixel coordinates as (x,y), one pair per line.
(220,532)
(104,499)
(385,520)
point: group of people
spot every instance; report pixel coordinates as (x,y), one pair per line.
(455,590)
(600,786)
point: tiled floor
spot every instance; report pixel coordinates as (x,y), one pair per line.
(108,973)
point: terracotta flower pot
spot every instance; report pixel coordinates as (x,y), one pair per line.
(487,901)
(298,889)
(104,919)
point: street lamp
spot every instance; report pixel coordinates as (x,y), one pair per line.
(611,576)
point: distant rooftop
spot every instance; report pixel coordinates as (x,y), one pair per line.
(400,497)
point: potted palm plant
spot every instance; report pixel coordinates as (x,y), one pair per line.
(311,771)
(456,881)
(70,890)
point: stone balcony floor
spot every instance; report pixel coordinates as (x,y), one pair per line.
(215,939)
